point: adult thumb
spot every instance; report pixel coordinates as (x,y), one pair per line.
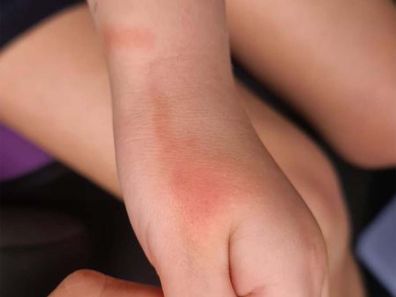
(83,283)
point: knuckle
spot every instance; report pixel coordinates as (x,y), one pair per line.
(81,275)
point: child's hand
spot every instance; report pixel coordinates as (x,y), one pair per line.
(215,234)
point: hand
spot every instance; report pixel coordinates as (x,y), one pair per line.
(231,246)
(240,250)
(228,235)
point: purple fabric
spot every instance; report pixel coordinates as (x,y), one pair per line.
(18,156)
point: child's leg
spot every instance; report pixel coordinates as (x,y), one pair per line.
(335,61)
(79,99)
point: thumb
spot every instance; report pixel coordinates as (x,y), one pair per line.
(197,271)
(269,261)
(83,283)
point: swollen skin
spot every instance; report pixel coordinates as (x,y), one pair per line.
(198,182)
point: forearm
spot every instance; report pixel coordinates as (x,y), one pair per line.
(54,90)
(331,43)
(176,59)
(174,108)
(324,57)
(69,114)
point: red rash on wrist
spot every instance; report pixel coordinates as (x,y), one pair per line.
(199,190)
(199,185)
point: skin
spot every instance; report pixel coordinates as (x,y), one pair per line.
(313,177)
(78,93)
(334,61)
(227,261)
(138,39)
(90,283)
(197,189)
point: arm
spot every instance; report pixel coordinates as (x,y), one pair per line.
(181,142)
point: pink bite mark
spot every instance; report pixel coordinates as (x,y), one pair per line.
(129,38)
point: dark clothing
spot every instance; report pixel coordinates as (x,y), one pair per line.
(17,16)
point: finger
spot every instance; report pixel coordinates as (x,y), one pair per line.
(85,283)
(326,288)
